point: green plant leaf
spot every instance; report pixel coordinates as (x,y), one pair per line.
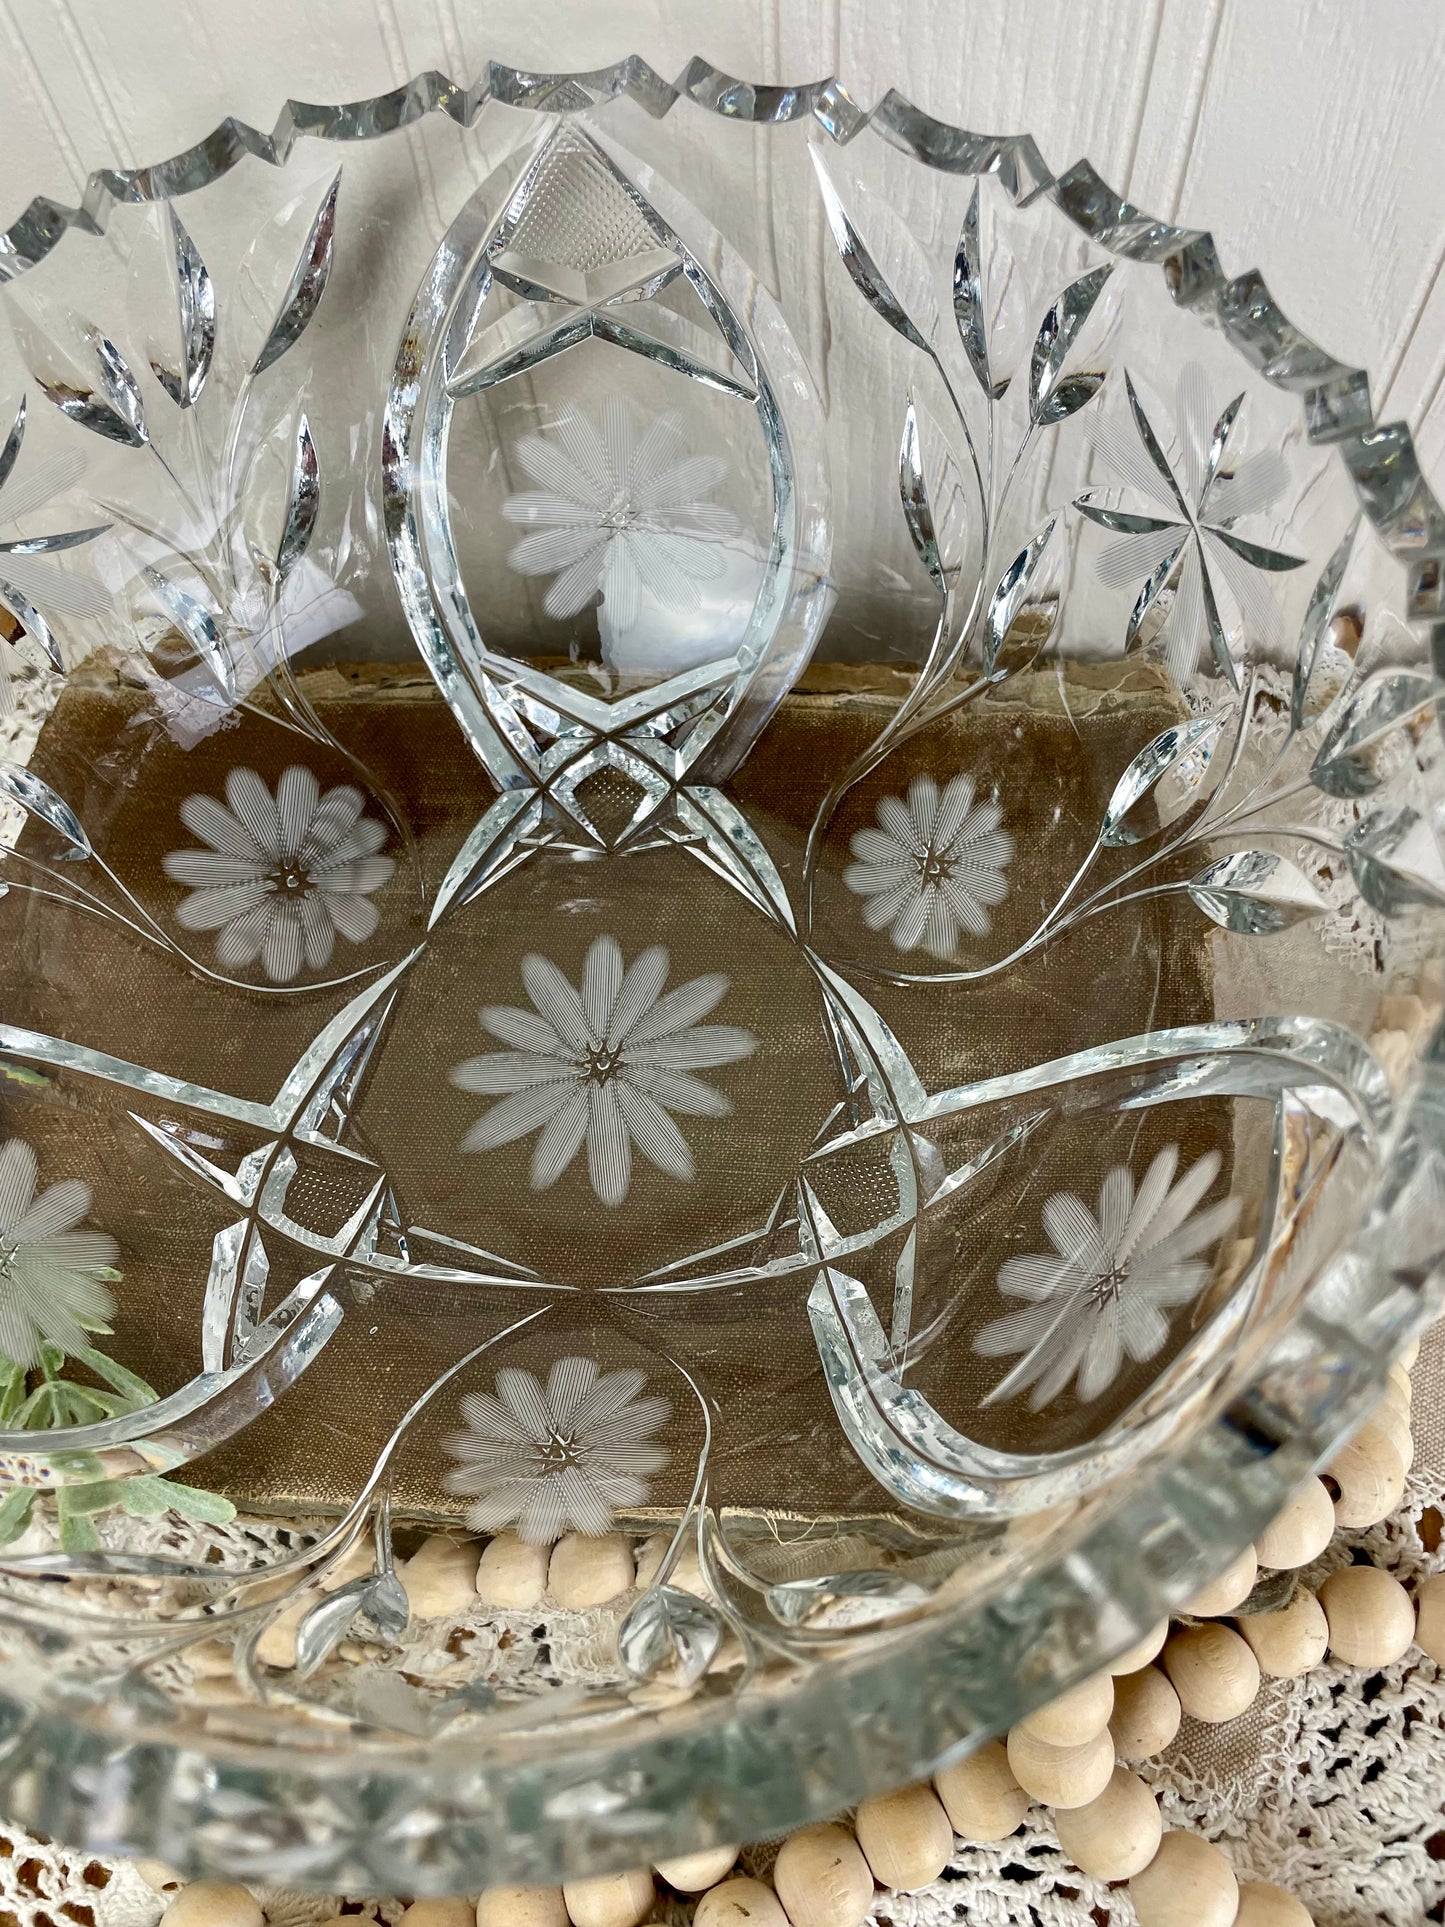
(77,1534)
(145,1497)
(129,1384)
(194,1503)
(15,1510)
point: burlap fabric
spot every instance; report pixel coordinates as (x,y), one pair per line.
(1052,744)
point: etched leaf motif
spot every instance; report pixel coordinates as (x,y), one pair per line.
(1316,624)
(303,502)
(899,286)
(197,625)
(968,309)
(34,796)
(1397,858)
(1255,893)
(82,372)
(33,623)
(913,489)
(669,1633)
(174,303)
(1056,336)
(1351,761)
(1133,811)
(845,1599)
(287,319)
(11,450)
(1023,608)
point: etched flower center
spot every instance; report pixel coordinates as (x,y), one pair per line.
(288,879)
(559,1452)
(620,516)
(1107,1286)
(933,867)
(600,1066)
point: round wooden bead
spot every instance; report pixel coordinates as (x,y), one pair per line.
(1371,1479)
(740,1903)
(1371,1620)
(1301,1529)
(1262,1904)
(160,1876)
(1146,1714)
(1075,1716)
(440,1578)
(1288,1642)
(906,1837)
(213,1903)
(1213,1671)
(1394,1421)
(822,1878)
(1230,1589)
(980,1795)
(1397,1381)
(612,1900)
(1116,1835)
(1147,1648)
(1430,1617)
(1061,1776)
(512,1575)
(693,1873)
(587,1572)
(521,1907)
(452,1911)
(1188,1883)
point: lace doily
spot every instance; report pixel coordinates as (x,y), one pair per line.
(1332,1785)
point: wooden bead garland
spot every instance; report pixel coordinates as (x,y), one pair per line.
(1370,1478)
(906,1837)
(453,1910)
(1212,1670)
(1061,1776)
(1146,1714)
(1188,1883)
(740,1902)
(980,1795)
(612,1900)
(1289,1642)
(1262,1904)
(590,1572)
(1147,1648)
(522,1907)
(822,1878)
(1230,1589)
(1430,1617)
(1076,1716)
(1300,1531)
(1371,1620)
(694,1873)
(1115,1835)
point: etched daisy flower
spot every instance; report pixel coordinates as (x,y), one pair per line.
(283,874)
(1190,548)
(613,512)
(932,866)
(51,1273)
(1108,1284)
(560,1459)
(605,1066)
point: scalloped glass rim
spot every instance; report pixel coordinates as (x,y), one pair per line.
(444,1816)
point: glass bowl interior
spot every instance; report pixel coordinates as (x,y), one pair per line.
(721,851)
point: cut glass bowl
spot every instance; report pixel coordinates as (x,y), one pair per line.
(722,840)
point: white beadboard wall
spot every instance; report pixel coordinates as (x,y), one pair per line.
(1308,134)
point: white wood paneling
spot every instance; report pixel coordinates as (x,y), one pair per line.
(1309,135)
